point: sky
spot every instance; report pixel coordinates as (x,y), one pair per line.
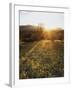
(48,19)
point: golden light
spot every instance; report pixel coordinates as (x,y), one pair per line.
(50,29)
(47,29)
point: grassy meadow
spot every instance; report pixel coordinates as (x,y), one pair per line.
(41,55)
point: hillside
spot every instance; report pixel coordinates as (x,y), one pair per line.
(34,33)
(41,52)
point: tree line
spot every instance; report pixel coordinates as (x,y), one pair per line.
(35,33)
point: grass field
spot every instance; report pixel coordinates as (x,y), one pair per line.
(41,59)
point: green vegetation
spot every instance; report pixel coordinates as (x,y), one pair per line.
(41,54)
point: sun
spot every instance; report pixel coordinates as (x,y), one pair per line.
(51,29)
(47,29)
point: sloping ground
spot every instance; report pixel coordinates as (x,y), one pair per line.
(35,33)
(43,59)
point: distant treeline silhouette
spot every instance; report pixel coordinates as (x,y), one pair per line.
(34,33)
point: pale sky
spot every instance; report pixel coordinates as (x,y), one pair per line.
(49,19)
